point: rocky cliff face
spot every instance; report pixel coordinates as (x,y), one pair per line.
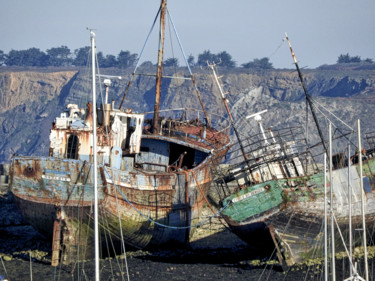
(30,100)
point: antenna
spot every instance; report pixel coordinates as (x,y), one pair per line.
(257,116)
(109,76)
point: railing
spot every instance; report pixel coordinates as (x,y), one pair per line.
(173,120)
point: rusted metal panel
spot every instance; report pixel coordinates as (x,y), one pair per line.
(52,180)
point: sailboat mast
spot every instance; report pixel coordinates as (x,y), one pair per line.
(362,199)
(95,164)
(333,255)
(308,98)
(229,113)
(325,220)
(159,73)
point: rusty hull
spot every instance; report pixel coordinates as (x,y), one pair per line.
(50,192)
(141,198)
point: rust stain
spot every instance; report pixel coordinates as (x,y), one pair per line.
(32,170)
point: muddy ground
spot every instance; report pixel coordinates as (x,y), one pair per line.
(214,254)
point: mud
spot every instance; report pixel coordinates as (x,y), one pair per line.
(214,254)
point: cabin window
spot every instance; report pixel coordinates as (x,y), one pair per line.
(72,151)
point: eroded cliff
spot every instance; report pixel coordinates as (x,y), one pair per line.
(30,100)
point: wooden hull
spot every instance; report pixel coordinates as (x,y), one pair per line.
(147,206)
(299,234)
(56,196)
(156,215)
(291,211)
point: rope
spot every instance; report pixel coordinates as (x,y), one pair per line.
(113,247)
(314,101)
(6,273)
(122,240)
(343,242)
(160,224)
(285,228)
(278,47)
(139,58)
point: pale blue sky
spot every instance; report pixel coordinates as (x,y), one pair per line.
(319,30)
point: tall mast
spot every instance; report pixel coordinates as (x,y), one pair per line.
(95,164)
(325,220)
(333,255)
(308,98)
(155,125)
(212,66)
(362,199)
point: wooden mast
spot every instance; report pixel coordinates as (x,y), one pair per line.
(155,123)
(308,98)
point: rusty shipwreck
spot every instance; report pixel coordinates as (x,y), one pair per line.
(275,198)
(153,174)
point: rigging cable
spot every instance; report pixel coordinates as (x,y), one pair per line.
(208,122)
(107,229)
(277,48)
(122,237)
(275,249)
(139,58)
(173,56)
(314,101)
(2,262)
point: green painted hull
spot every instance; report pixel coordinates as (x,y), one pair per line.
(289,213)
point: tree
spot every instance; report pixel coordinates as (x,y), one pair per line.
(262,63)
(81,56)
(109,61)
(147,64)
(59,56)
(171,62)
(205,57)
(126,59)
(100,59)
(191,60)
(225,59)
(2,57)
(348,59)
(29,57)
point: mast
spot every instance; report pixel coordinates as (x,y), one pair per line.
(308,98)
(331,207)
(95,164)
(155,124)
(325,221)
(350,215)
(362,199)
(212,66)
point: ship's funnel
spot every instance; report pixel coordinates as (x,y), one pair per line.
(107,107)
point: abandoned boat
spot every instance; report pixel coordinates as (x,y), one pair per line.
(275,197)
(280,198)
(153,176)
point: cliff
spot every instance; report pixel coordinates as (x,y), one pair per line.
(31,99)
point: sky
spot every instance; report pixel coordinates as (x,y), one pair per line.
(319,30)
